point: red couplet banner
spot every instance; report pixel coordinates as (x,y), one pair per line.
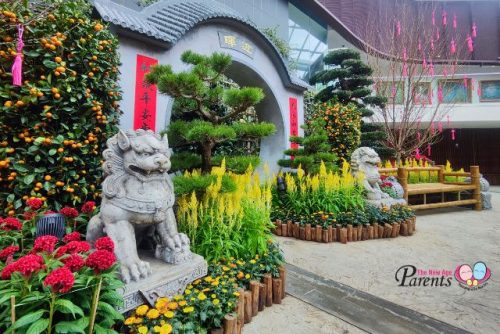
(145,96)
(294,121)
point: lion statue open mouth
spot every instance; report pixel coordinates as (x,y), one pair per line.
(138,196)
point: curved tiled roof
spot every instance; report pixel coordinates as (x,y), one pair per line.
(168,21)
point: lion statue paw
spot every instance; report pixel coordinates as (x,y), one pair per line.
(134,270)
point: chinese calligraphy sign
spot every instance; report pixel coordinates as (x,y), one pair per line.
(145,96)
(294,121)
(232,41)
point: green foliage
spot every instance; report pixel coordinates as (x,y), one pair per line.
(185,185)
(314,149)
(280,44)
(54,127)
(238,164)
(207,108)
(348,82)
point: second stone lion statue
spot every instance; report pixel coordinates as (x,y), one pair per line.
(137,200)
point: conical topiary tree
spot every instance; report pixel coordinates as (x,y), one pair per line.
(313,149)
(347,81)
(209,108)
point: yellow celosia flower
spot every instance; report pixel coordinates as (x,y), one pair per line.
(300,172)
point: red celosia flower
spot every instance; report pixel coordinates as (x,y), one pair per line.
(61,280)
(8,270)
(105,243)
(26,265)
(69,212)
(34,203)
(73,247)
(11,223)
(100,260)
(73,236)
(8,251)
(74,262)
(49,212)
(29,215)
(45,243)
(88,207)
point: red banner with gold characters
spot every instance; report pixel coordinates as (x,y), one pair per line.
(294,120)
(145,96)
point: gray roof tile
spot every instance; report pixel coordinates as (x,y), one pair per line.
(169,20)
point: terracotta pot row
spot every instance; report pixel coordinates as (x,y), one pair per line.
(344,234)
(250,302)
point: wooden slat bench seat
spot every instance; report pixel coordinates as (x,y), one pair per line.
(440,187)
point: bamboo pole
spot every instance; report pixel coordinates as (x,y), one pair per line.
(248,307)
(325,235)
(364,235)
(375,231)
(284,230)
(296,227)
(277,290)
(330,233)
(404,229)
(395,227)
(302,233)
(387,230)
(268,281)
(381,230)
(282,272)
(360,231)
(350,232)
(440,173)
(370,232)
(254,288)
(289,228)
(354,234)
(333,233)
(476,180)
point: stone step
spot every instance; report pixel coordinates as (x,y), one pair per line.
(363,310)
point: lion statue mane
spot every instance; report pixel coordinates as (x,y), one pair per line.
(137,201)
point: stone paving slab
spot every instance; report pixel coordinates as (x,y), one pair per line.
(444,239)
(363,310)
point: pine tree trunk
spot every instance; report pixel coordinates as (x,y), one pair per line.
(206,157)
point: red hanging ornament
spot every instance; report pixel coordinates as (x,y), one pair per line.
(417,154)
(429,149)
(453,46)
(474,30)
(440,127)
(440,94)
(454,21)
(419,137)
(444,17)
(470,44)
(452,134)
(17,67)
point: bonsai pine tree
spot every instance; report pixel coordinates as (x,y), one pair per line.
(313,149)
(347,81)
(207,109)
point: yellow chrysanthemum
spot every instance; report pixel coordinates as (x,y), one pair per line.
(188,309)
(202,296)
(169,314)
(216,302)
(142,310)
(182,303)
(172,305)
(166,329)
(130,321)
(143,330)
(153,314)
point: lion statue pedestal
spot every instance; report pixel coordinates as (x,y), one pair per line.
(366,160)
(137,201)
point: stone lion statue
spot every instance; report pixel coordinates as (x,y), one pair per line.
(137,201)
(366,160)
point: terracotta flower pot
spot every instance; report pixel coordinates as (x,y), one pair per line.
(375,231)
(349,232)
(343,235)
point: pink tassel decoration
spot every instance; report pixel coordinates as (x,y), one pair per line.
(440,94)
(419,45)
(471,84)
(466,82)
(405,70)
(404,54)
(434,17)
(452,134)
(418,122)
(417,154)
(432,44)
(429,150)
(470,44)
(424,63)
(440,127)
(393,91)
(454,21)
(474,30)
(431,69)
(433,128)
(444,16)
(453,47)
(398,28)
(419,137)
(17,67)
(445,71)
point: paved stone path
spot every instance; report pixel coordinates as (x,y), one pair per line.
(444,239)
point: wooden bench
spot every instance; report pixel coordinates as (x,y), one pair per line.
(440,187)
